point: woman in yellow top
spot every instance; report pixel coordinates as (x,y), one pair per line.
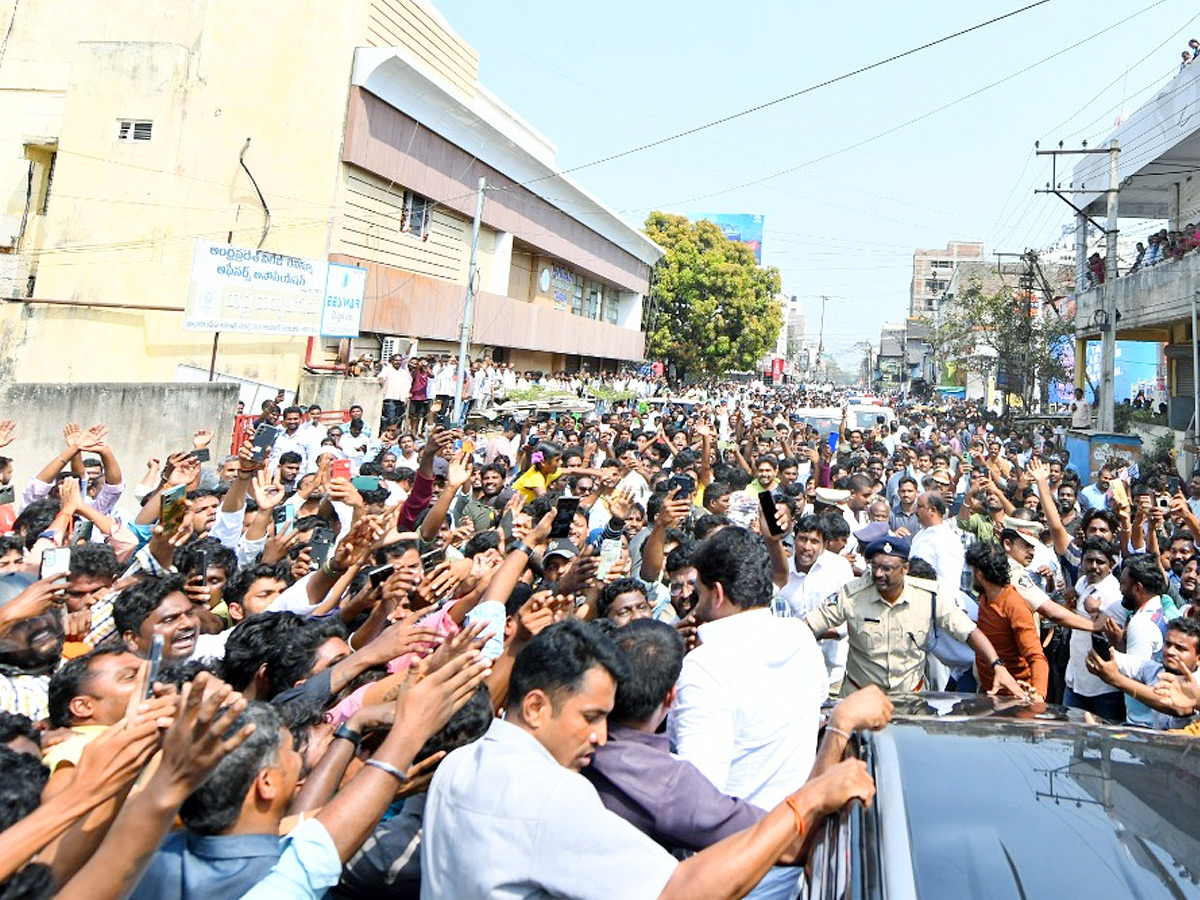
(545,469)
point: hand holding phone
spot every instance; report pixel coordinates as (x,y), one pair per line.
(156,656)
(340,469)
(55,561)
(564,515)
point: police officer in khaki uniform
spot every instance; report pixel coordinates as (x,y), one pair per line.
(1019,539)
(890,618)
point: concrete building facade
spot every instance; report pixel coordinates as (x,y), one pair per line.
(931,274)
(133,129)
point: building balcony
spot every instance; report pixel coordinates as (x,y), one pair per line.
(1148,302)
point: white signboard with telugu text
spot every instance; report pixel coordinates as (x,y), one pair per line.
(248,291)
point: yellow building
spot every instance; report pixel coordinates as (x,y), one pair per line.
(133,129)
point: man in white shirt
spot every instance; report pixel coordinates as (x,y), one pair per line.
(397,388)
(498,804)
(810,579)
(938,544)
(749,697)
(1081,411)
(1142,586)
(1097,593)
(292,439)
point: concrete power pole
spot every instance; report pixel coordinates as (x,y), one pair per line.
(1105,419)
(464,337)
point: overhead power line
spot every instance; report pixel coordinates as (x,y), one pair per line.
(792,96)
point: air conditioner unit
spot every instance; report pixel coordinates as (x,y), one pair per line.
(397,346)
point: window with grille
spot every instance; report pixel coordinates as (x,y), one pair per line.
(593,301)
(135,130)
(577,297)
(416,215)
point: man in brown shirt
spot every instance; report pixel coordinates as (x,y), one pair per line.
(1007,621)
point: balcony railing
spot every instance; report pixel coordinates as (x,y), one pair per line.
(1147,301)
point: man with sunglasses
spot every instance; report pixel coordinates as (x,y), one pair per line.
(889,619)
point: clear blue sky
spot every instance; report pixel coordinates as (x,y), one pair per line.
(597,79)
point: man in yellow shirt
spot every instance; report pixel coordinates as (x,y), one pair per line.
(87,695)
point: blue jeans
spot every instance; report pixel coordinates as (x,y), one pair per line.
(1109,705)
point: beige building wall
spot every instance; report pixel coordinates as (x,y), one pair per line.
(123,217)
(419,28)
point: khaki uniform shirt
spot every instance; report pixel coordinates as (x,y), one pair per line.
(1034,596)
(888,641)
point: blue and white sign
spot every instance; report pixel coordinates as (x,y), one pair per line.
(341,311)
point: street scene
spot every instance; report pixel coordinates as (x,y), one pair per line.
(452,451)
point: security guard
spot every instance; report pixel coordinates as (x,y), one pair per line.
(890,618)
(1019,539)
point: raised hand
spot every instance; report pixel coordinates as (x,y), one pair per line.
(8,430)
(428,700)
(277,547)
(69,496)
(266,491)
(195,743)
(462,467)
(201,439)
(34,601)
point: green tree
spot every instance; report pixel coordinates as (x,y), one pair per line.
(995,334)
(712,309)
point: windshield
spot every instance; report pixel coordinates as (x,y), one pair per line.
(1060,812)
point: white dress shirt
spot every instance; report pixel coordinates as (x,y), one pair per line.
(748,705)
(1108,593)
(504,821)
(807,591)
(939,546)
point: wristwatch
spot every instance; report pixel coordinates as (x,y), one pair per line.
(522,546)
(997,662)
(348,734)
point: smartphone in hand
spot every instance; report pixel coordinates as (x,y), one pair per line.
(564,515)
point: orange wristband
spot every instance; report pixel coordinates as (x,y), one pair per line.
(795,807)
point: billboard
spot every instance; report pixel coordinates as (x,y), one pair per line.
(248,291)
(745,228)
(1136,363)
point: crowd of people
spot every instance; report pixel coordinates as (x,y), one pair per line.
(417,382)
(614,654)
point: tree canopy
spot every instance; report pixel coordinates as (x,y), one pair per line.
(997,334)
(712,309)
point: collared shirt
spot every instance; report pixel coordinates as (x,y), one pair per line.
(940,546)
(397,383)
(28,695)
(888,641)
(216,867)
(663,797)
(292,443)
(309,865)
(71,749)
(749,698)
(806,591)
(1107,593)
(900,519)
(497,804)
(1019,577)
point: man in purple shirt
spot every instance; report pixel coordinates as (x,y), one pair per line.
(668,799)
